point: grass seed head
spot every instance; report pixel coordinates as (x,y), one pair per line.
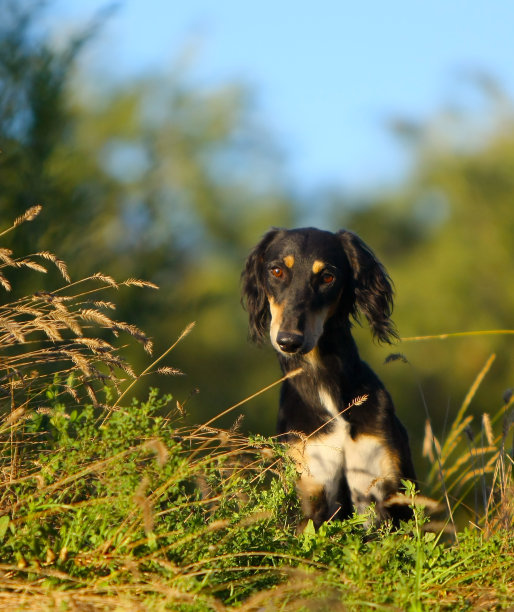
(29,215)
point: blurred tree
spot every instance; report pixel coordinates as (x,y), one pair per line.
(446,238)
(159,179)
(33,114)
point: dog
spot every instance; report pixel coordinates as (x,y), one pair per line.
(305,286)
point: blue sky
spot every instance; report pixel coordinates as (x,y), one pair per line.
(327,76)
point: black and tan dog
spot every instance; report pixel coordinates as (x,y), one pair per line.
(305,286)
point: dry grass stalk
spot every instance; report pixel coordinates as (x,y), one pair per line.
(104,304)
(13,329)
(106,279)
(458,465)
(144,504)
(473,389)
(428,441)
(97,345)
(5,256)
(159,448)
(28,263)
(136,282)
(5,283)
(487,332)
(89,314)
(59,263)
(479,473)
(184,333)
(247,399)
(44,335)
(469,470)
(29,215)
(488,429)
(168,371)
(63,315)
(8,261)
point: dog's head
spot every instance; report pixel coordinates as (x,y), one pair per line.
(297,280)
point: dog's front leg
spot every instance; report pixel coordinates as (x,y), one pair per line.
(313,501)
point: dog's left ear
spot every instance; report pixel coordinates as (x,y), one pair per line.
(254,291)
(373,292)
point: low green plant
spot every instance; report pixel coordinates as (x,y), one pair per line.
(203,517)
(144,509)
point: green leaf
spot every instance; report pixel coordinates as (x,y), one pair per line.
(309,531)
(4,524)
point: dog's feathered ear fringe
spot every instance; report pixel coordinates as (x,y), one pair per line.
(254,297)
(372,287)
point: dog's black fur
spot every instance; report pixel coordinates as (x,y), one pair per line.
(304,286)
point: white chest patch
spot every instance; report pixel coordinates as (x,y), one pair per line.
(364,461)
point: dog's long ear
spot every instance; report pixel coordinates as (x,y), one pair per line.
(373,292)
(254,297)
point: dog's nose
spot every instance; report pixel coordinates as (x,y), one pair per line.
(289,342)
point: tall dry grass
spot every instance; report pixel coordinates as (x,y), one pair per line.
(472,466)
(58,336)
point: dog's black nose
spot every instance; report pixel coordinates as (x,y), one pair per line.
(289,342)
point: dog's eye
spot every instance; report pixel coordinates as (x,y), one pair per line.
(277,272)
(327,278)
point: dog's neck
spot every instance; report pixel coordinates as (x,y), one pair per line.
(330,377)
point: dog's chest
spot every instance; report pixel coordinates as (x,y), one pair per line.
(326,457)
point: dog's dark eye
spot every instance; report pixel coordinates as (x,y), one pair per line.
(277,272)
(327,278)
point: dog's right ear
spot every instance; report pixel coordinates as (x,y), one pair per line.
(373,291)
(254,297)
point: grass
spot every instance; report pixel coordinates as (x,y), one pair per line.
(112,504)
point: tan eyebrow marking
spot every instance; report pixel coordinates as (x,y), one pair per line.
(317,266)
(289,261)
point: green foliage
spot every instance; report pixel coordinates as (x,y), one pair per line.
(104,493)
(131,497)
